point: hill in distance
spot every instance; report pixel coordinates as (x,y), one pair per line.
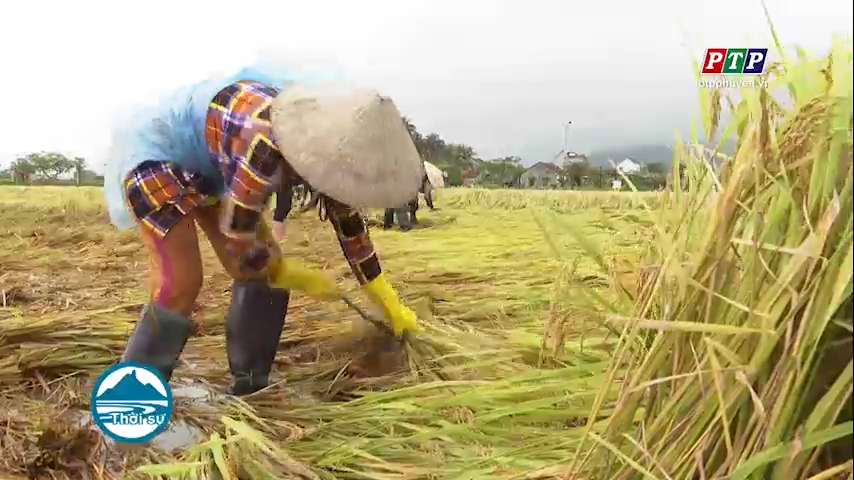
(130,388)
(640,153)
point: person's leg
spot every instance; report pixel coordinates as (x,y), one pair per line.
(388,218)
(284,203)
(428,197)
(253,327)
(313,199)
(177,265)
(256,314)
(403,218)
(167,229)
(413,208)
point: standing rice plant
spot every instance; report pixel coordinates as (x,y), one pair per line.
(557,200)
(746,369)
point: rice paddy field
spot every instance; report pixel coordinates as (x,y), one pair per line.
(482,278)
(696,334)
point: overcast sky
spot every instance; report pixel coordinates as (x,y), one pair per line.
(500,75)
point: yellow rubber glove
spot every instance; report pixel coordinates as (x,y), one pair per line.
(290,274)
(402,318)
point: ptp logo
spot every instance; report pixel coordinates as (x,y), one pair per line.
(742,61)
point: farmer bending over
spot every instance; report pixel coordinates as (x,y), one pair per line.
(427,190)
(406,213)
(211,156)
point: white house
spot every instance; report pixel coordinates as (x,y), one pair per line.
(628,166)
(565,158)
(540,175)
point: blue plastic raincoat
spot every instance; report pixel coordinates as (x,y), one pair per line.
(173,130)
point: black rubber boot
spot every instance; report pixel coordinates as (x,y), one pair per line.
(158,339)
(413,208)
(253,326)
(403,220)
(388,218)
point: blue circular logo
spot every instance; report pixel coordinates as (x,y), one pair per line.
(131,402)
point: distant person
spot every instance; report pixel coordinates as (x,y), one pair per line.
(406,214)
(284,203)
(211,155)
(310,199)
(426,190)
(402,214)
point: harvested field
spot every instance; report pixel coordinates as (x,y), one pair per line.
(699,334)
(480,277)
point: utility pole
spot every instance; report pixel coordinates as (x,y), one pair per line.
(565,139)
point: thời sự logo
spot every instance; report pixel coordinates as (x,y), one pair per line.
(131,402)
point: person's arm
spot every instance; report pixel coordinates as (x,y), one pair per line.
(253,182)
(359,250)
(355,242)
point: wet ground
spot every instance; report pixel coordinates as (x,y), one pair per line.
(375,355)
(179,434)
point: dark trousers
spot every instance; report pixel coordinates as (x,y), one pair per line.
(428,198)
(413,207)
(284,203)
(403,217)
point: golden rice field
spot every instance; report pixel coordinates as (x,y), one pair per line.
(479,271)
(697,334)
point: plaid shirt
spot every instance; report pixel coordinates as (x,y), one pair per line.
(240,137)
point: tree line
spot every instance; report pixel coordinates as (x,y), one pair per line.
(458,160)
(48,167)
(581,174)
(462,163)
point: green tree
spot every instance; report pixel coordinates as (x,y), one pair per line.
(503,171)
(413,132)
(435,149)
(455,175)
(45,165)
(609,174)
(22,165)
(657,173)
(459,161)
(460,154)
(80,171)
(657,168)
(575,172)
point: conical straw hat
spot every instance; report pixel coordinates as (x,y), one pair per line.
(352,147)
(435,175)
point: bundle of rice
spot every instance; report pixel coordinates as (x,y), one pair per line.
(739,349)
